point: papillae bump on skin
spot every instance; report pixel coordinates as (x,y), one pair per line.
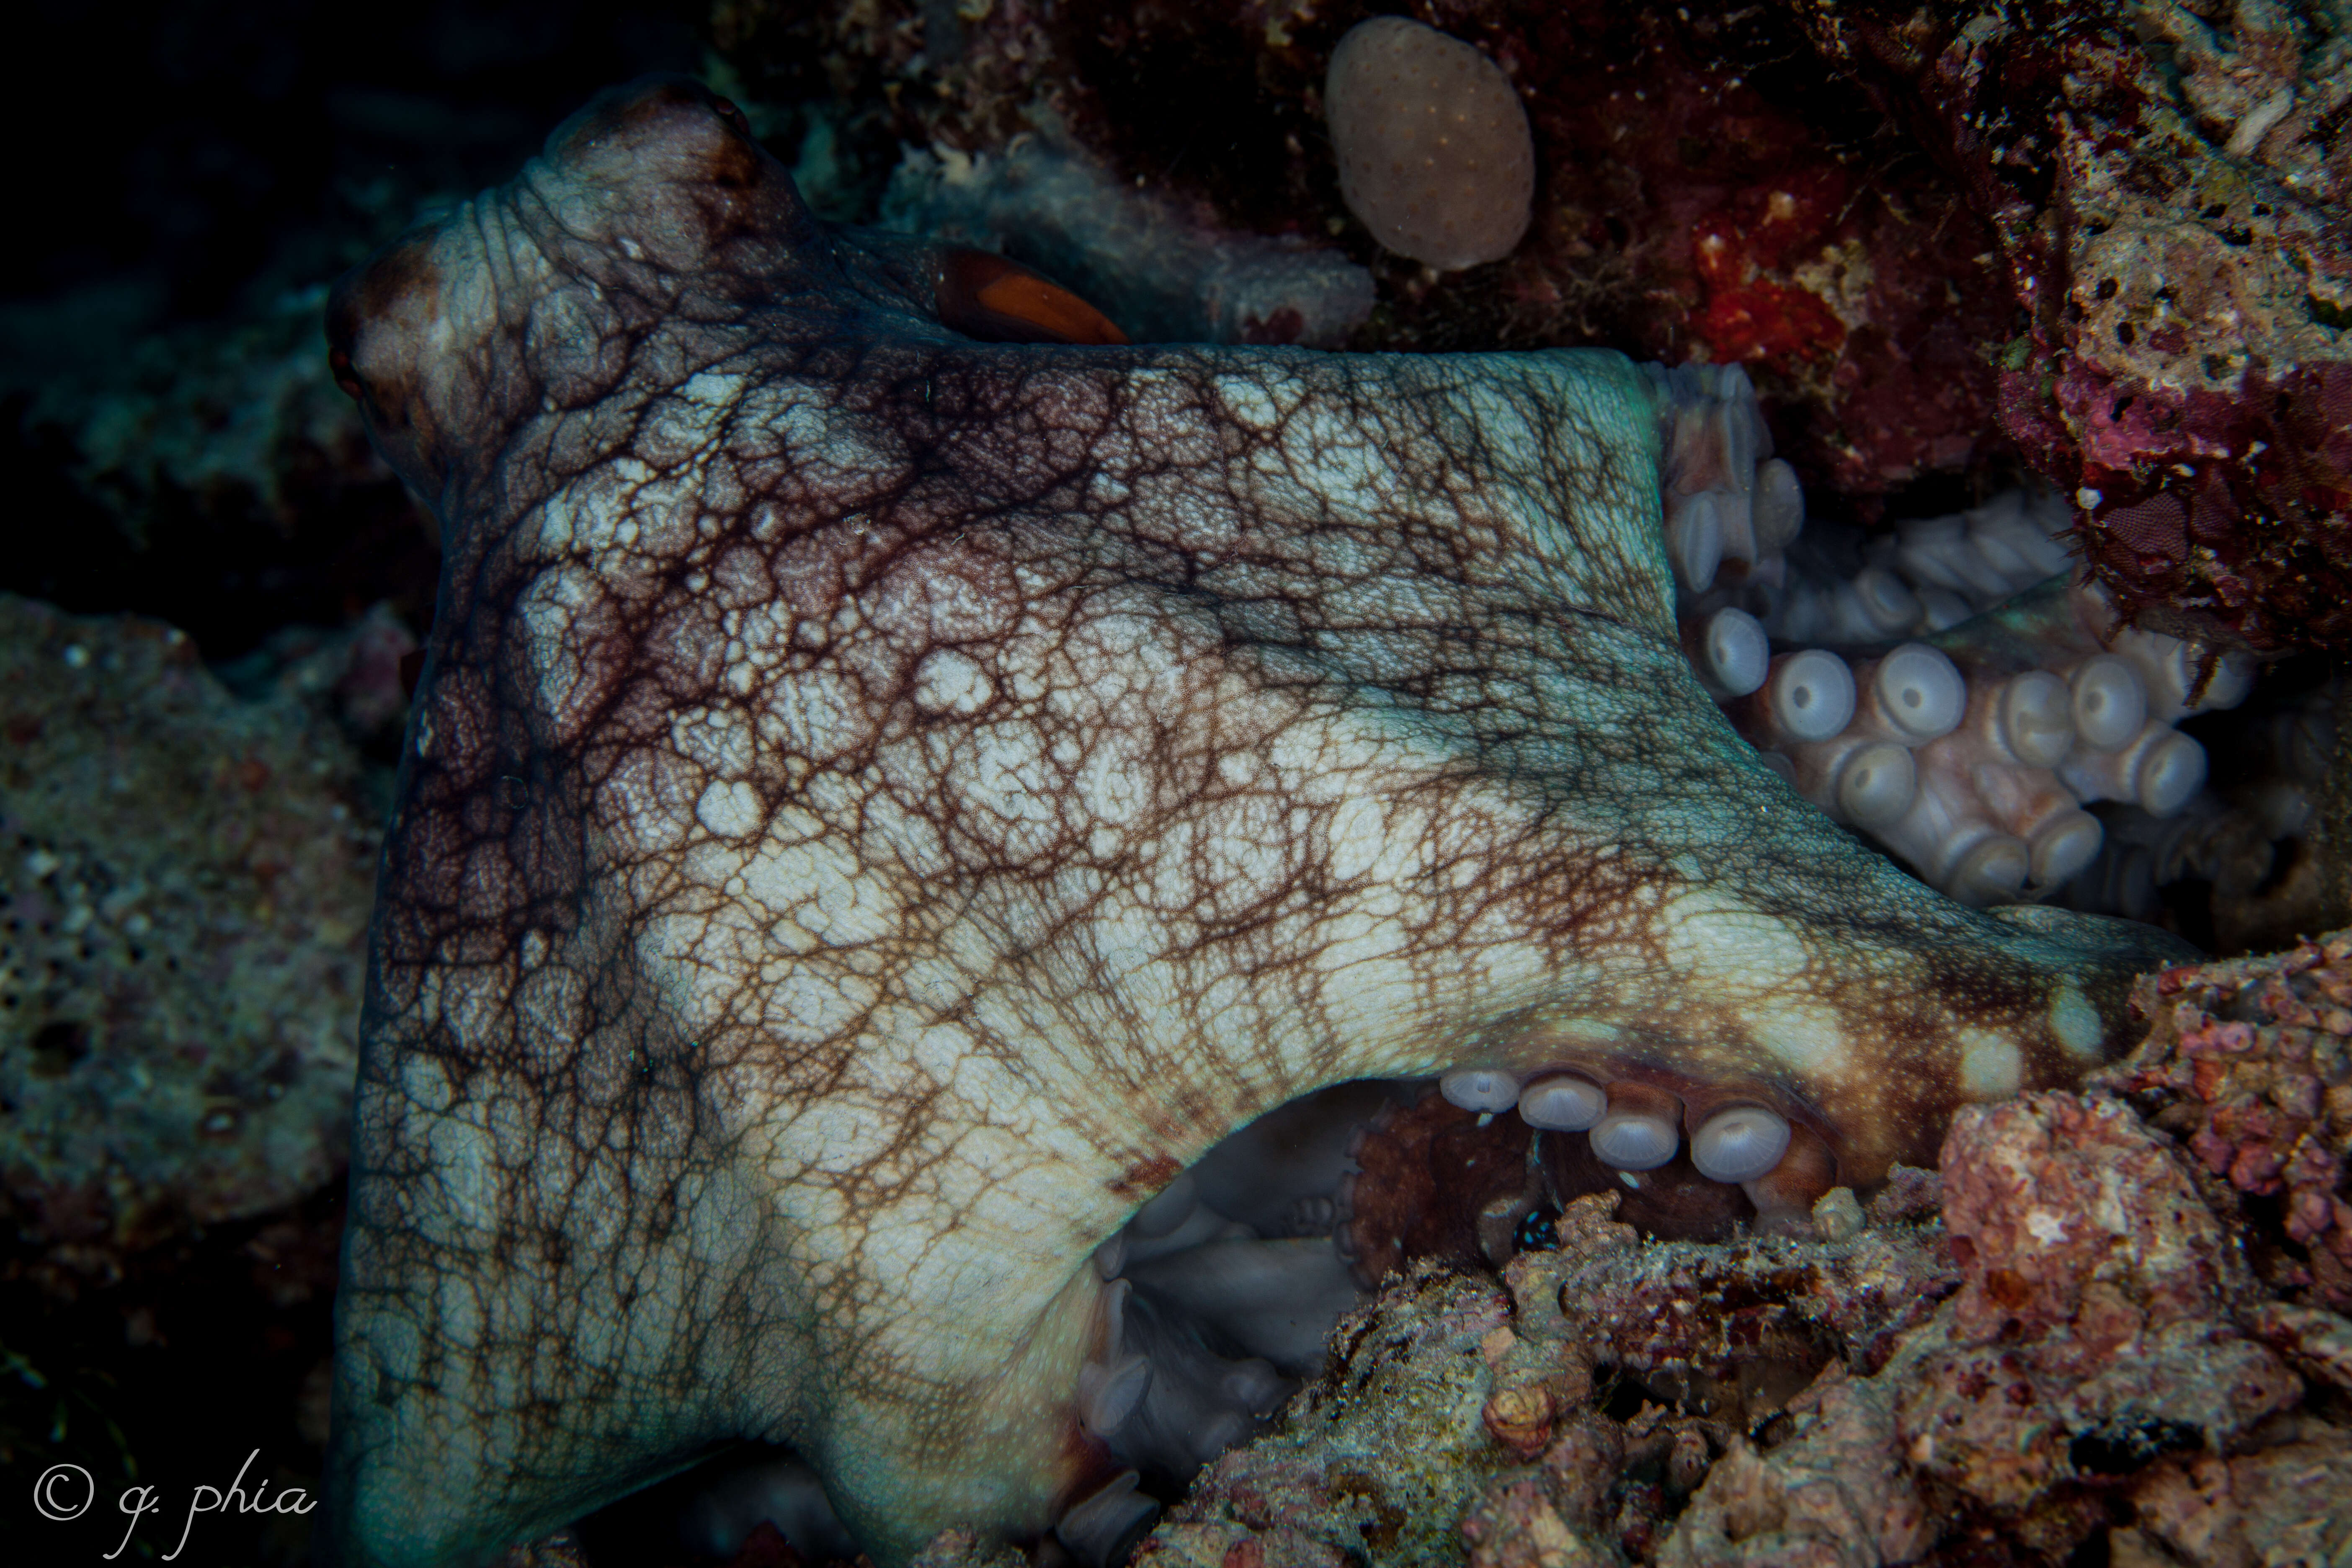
(880,803)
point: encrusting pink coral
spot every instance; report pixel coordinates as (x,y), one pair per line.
(2249,1062)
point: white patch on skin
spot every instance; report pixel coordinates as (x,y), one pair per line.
(646,802)
(1744,959)
(729,808)
(941,1052)
(2045,1226)
(1360,838)
(1247,403)
(791,918)
(812,1014)
(590,516)
(425,1083)
(678,437)
(557,602)
(1316,463)
(947,681)
(1590,1031)
(559,523)
(1990,1067)
(713,389)
(718,740)
(2075,1023)
(1807,1037)
(1010,1174)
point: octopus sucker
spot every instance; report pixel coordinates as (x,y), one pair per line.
(920,855)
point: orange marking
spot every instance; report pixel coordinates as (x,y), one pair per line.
(1146,1177)
(986,297)
(1031,299)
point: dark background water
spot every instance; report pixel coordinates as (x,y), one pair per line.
(182,167)
(192,151)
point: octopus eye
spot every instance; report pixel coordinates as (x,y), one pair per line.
(986,297)
(735,117)
(347,380)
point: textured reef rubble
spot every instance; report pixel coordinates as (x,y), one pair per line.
(2108,1323)
(212,477)
(186,878)
(186,868)
(2168,185)
(2249,1065)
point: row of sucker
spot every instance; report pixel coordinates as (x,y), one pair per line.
(1218,1294)
(1729,501)
(2231,836)
(1974,695)
(1633,1126)
(1972,755)
(1927,575)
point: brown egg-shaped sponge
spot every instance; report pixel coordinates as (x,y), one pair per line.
(1434,154)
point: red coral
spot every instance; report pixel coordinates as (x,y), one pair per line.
(1750,316)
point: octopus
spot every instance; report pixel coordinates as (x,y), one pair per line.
(924,822)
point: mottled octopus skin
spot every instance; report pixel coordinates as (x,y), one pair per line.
(879,803)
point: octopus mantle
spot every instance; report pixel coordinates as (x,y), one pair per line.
(881,802)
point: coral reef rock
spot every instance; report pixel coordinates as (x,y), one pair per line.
(2084,1334)
(214,477)
(2250,1064)
(2167,185)
(187,880)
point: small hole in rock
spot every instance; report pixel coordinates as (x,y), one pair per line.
(57,1046)
(2122,1448)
